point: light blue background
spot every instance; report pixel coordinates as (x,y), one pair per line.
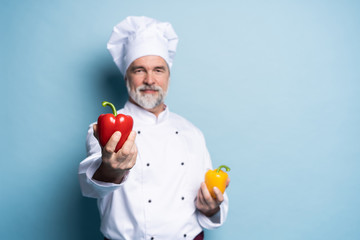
(273,85)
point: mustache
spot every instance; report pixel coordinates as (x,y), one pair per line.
(149,87)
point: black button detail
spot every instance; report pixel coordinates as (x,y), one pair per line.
(182,164)
(139,132)
(184,235)
(176,132)
(149,201)
(152,238)
(148,164)
(182,198)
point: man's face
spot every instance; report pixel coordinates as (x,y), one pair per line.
(147,80)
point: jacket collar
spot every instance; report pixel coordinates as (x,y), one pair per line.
(141,115)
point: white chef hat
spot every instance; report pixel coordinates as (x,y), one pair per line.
(136,37)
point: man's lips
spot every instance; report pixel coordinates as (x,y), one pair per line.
(149,91)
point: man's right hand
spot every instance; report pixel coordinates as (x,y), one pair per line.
(115,165)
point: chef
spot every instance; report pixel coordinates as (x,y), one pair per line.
(152,188)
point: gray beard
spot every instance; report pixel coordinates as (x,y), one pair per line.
(147,101)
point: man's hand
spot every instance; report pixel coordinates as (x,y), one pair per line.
(205,203)
(115,165)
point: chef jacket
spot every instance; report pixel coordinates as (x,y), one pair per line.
(156,199)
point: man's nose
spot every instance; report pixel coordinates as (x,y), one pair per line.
(149,78)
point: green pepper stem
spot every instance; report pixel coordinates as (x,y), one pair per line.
(222,166)
(105,103)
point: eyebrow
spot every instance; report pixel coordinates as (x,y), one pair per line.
(133,68)
(160,67)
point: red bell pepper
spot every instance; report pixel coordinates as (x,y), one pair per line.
(110,123)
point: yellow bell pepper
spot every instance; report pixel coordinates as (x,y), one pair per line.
(216,178)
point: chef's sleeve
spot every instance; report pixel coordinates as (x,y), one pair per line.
(216,220)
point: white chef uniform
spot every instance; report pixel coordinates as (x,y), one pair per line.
(156,200)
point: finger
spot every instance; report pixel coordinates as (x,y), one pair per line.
(132,136)
(96,133)
(113,141)
(227,182)
(133,156)
(219,195)
(200,199)
(208,199)
(134,152)
(129,143)
(201,192)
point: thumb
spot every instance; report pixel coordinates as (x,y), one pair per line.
(95,130)
(113,141)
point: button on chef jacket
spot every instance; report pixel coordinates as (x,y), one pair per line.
(156,200)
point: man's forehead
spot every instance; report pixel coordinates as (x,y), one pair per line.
(149,61)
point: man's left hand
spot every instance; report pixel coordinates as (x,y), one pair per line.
(205,203)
